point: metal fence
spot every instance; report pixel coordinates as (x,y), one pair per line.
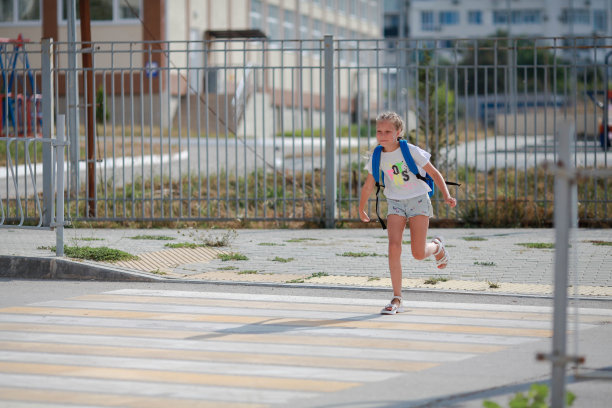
(263,130)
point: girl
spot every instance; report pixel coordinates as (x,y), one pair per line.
(407,199)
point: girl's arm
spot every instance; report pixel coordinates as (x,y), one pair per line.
(439,180)
(366,190)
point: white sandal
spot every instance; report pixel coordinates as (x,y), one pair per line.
(392,308)
(442,262)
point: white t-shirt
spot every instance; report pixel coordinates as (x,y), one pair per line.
(400,183)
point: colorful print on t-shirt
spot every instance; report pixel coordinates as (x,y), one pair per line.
(398,173)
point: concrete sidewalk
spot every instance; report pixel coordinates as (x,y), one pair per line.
(482,260)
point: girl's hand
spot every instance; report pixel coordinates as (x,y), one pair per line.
(452,202)
(364,216)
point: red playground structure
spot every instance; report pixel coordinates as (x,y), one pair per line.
(20,104)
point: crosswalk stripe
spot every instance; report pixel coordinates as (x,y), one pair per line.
(227,393)
(397,344)
(180,377)
(244,357)
(420,311)
(63,398)
(164,315)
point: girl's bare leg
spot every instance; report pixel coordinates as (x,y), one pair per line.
(395,228)
(421,249)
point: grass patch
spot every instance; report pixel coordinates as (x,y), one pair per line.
(301,239)
(233,256)
(373,278)
(158,272)
(227,268)
(484,263)
(284,260)
(189,245)
(318,275)
(406,242)
(153,237)
(433,281)
(474,239)
(270,244)
(102,254)
(295,281)
(537,245)
(493,285)
(90,239)
(601,243)
(247,272)
(359,254)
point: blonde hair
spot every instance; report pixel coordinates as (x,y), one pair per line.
(393,118)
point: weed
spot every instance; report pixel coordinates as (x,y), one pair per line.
(284,260)
(373,278)
(103,254)
(153,237)
(493,285)
(318,275)
(406,242)
(295,281)
(227,268)
(189,245)
(537,245)
(91,239)
(535,398)
(301,239)
(474,239)
(50,248)
(359,254)
(158,272)
(484,263)
(232,256)
(270,244)
(210,239)
(601,243)
(433,281)
(247,272)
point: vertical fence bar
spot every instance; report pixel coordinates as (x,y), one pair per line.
(59,207)
(330,134)
(47,107)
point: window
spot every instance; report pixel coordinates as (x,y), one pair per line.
(255,14)
(304,24)
(331,4)
(353,7)
(475,17)
(600,20)
(575,16)
(108,10)
(391,27)
(427,21)
(528,16)
(316,29)
(448,17)
(13,11)
(273,28)
(288,25)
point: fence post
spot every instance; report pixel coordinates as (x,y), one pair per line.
(59,206)
(563,224)
(330,133)
(47,126)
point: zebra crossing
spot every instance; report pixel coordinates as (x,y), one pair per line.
(162,348)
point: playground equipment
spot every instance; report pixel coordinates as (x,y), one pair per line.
(21,105)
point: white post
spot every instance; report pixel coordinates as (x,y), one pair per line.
(59,206)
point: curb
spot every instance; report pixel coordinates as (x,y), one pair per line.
(24,267)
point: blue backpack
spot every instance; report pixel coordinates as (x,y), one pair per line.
(379,178)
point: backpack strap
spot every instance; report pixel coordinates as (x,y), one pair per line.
(379,179)
(409,160)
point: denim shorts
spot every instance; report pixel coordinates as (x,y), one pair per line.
(410,207)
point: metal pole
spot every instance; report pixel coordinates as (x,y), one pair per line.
(330,134)
(73,96)
(59,207)
(87,59)
(47,111)
(563,223)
